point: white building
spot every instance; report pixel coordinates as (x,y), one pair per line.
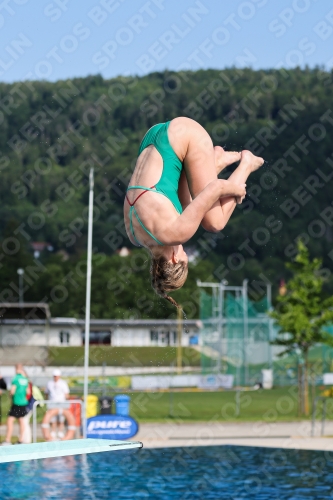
(31,325)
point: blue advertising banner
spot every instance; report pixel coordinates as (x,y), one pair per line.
(111,427)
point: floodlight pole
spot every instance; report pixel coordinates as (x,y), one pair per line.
(246,329)
(179,340)
(219,324)
(20,273)
(221,288)
(88,296)
(269,296)
(270,324)
(218,289)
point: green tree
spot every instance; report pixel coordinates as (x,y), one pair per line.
(120,287)
(41,175)
(303,313)
(14,255)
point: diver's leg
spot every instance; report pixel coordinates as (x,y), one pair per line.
(224,158)
(249,163)
(181,132)
(194,147)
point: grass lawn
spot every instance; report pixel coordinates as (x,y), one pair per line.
(122,356)
(269,405)
(279,404)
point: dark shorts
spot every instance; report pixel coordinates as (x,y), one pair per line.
(17,411)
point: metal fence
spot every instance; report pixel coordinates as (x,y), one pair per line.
(237,337)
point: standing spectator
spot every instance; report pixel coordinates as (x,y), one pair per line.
(18,410)
(57,390)
(3,385)
(27,436)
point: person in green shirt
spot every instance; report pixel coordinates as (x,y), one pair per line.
(18,410)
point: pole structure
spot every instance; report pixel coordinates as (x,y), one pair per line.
(0,414)
(269,296)
(270,324)
(219,326)
(246,331)
(179,339)
(88,296)
(20,273)
(21,288)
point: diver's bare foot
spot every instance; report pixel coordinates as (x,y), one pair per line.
(250,161)
(225,158)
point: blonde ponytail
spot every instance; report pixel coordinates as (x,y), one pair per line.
(167,277)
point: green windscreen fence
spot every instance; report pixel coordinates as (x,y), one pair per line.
(237,336)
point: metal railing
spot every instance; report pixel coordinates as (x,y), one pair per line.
(324,400)
(61,406)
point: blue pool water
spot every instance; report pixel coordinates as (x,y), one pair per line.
(217,472)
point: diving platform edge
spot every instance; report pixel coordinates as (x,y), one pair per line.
(35,451)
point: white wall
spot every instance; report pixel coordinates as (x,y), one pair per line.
(138,337)
(74,335)
(37,335)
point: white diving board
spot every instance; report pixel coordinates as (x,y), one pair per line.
(16,453)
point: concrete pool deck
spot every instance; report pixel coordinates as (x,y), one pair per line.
(291,435)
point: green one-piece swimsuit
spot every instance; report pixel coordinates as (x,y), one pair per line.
(168,183)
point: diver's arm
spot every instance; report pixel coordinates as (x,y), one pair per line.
(185,226)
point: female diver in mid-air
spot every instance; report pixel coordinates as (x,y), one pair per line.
(177,160)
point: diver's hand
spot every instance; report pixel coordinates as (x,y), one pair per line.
(230,189)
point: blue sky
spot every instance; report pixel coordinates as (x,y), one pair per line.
(61,39)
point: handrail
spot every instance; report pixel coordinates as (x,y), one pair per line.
(48,401)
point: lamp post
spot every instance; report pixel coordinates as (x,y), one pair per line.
(20,272)
(246,330)
(300,378)
(88,297)
(179,339)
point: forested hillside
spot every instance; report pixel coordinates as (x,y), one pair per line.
(52,133)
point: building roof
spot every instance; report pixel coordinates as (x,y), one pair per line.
(125,323)
(25,311)
(37,313)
